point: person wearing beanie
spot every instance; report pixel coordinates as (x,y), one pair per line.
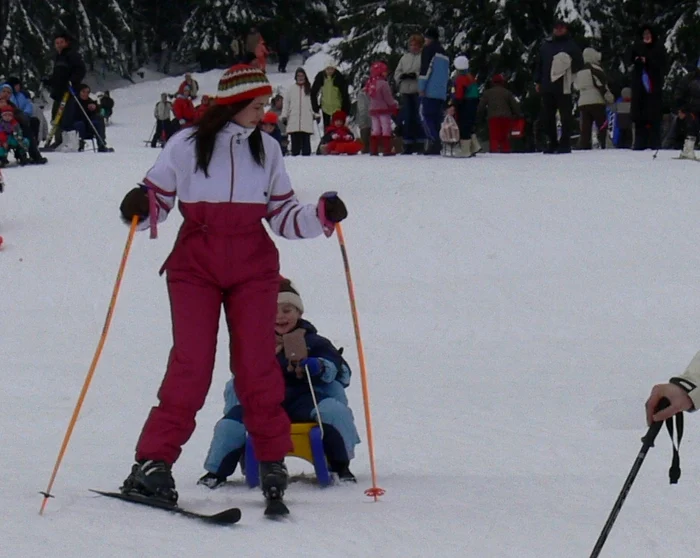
(228,177)
(338,139)
(622,120)
(300,351)
(406,78)
(11,137)
(382,106)
(687,100)
(270,125)
(332,86)
(466,100)
(432,88)
(594,97)
(501,108)
(558,61)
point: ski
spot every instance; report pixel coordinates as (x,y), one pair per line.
(56,121)
(229,516)
(276,508)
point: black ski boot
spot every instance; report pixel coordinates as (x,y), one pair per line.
(152,479)
(273,480)
(342,469)
(212,480)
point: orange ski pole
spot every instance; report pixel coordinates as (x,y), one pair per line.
(47,494)
(375,491)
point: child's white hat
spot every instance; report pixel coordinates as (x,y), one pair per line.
(462,63)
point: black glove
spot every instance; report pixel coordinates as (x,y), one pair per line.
(134,203)
(334,208)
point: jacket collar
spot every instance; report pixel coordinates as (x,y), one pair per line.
(238,132)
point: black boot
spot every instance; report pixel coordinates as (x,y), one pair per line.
(342,469)
(21,156)
(273,479)
(153,479)
(212,480)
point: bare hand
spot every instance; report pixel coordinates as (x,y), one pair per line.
(680,401)
(537,87)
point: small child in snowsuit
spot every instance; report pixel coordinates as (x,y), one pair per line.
(330,375)
(501,108)
(622,131)
(381,106)
(466,99)
(338,138)
(449,134)
(270,125)
(11,138)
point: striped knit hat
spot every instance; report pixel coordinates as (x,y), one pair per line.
(241,83)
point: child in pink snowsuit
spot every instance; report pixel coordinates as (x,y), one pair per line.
(228,177)
(381,106)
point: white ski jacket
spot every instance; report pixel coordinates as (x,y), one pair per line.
(298,111)
(690,380)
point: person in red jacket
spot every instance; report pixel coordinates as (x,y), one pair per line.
(338,138)
(202,107)
(183,108)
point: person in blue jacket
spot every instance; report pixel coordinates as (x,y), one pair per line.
(432,88)
(330,375)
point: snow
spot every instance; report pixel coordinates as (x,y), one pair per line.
(515,312)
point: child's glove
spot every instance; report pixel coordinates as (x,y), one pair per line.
(135,203)
(313,365)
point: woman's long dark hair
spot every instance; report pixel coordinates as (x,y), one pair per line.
(211,123)
(307,85)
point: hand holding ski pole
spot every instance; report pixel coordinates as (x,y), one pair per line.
(677,397)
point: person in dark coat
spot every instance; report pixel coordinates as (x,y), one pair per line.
(648,59)
(283,50)
(106,106)
(68,73)
(687,100)
(333,88)
(559,59)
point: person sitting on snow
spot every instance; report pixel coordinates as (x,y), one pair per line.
(338,138)
(330,375)
(88,120)
(270,125)
(11,137)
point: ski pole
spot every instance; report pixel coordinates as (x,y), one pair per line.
(57,119)
(100,139)
(83,392)
(375,491)
(647,442)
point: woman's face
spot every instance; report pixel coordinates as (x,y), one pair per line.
(414,47)
(647,36)
(301,78)
(252,114)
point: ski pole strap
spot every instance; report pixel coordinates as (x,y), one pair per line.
(674,473)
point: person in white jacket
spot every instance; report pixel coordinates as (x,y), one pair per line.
(406,76)
(592,84)
(298,114)
(682,391)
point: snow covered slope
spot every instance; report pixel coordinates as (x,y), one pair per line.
(515,312)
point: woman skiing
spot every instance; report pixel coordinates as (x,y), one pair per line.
(228,176)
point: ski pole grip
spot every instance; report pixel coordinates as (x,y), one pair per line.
(655,428)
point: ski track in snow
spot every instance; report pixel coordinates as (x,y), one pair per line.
(515,312)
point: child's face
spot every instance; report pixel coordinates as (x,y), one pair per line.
(7,116)
(269,128)
(338,123)
(287,317)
